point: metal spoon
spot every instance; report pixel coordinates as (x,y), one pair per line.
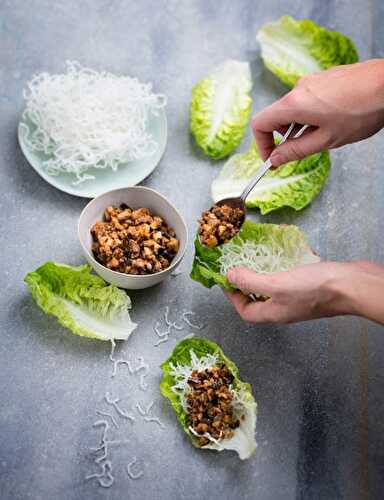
(239,202)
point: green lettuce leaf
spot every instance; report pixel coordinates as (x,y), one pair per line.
(197,353)
(220,107)
(81,301)
(264,248)
(294,184)
(291,48)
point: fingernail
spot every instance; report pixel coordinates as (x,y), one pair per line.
(231,276)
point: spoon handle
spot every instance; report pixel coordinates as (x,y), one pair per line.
(260,173)
(268,164)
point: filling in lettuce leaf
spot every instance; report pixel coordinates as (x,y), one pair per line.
(291,48)
(294,184)
(81,301)
(215,408)
(264,248)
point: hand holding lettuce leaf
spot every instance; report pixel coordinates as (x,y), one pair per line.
(263,248)
(293,185)
(291,49)
(193,364)
(81,301)
(307,292)
(220,107)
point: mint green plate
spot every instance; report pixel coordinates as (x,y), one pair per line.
(127,175)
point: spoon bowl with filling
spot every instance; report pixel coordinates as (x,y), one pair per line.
(221,223)
(237,204)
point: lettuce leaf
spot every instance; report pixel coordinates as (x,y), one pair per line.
(220,107)
(291,48)
(294,184)
(81,301)
(264,248)
(198,353)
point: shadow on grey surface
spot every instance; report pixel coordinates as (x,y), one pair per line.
(38,189)
(271,84)
(147,296)
(197,152)
(47,331)
(317,469)
(256,65)
(284,215)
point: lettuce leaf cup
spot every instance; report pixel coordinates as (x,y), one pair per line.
(293,48)
(263,248)
(214,407)
(220,107)
(81,301)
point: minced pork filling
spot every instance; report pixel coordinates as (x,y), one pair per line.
(220,224)
(210,404)
(133,241)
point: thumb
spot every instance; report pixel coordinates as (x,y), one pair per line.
(248,281)
(309,143)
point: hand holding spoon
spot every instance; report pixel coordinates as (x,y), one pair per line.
(239,202)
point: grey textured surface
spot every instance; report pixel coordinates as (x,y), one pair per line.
(318,385)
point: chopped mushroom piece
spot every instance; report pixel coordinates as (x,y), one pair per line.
(133,241)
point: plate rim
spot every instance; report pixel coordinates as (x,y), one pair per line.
(50,179)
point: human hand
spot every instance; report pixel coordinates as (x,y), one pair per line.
(342,105)
(309,292)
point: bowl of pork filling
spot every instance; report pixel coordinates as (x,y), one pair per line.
(132,237)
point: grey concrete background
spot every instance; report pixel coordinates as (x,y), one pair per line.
(318,385)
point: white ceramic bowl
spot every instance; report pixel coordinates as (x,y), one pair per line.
(134,197)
